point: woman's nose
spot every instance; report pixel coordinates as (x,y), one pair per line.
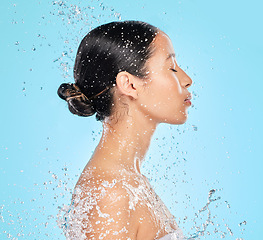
(186,80)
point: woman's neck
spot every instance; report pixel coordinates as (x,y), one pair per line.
(124,142)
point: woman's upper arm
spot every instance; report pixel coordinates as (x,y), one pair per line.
(106,215)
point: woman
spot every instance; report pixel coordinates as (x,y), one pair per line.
(126,73)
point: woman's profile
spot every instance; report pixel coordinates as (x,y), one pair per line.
(126,73)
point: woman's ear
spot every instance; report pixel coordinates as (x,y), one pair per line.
(127,84)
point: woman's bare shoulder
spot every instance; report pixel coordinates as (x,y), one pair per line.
(105,206)
(96,185)
(93,178)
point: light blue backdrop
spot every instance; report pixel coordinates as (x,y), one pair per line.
(43,148)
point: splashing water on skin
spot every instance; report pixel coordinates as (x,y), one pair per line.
(78,215)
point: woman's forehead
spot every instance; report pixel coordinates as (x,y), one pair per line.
(163,46)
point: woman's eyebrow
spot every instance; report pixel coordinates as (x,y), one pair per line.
(170,55)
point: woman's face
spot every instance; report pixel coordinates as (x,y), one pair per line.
(163,98)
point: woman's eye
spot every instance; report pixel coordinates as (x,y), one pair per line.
(173,70)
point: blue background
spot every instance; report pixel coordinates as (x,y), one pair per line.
(43,147)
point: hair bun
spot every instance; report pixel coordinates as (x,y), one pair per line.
(65,90)
(78,103)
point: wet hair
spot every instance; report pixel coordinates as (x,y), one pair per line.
(104,52)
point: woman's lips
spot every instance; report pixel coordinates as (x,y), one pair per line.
(187,101)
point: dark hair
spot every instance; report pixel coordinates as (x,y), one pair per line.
(103,53)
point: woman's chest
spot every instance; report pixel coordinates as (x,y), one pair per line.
(155,219)
(158,211)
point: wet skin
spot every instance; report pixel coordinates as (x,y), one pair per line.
(124,205)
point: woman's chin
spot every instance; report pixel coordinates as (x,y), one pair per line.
(176,121)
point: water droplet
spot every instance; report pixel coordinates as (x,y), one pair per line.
(194,127)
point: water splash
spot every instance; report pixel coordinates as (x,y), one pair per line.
(202,229)
(76,219)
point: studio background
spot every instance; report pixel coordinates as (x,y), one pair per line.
(207,171)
